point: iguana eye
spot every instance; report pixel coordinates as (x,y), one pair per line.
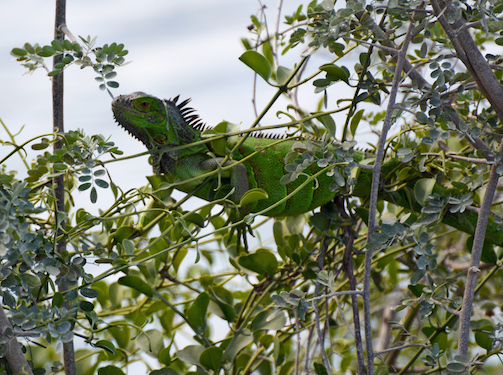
(144,105)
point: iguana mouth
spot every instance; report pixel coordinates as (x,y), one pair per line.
(125,128)
(120,109)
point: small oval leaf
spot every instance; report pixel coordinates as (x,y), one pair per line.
(138,284)
(253,195)
(258,63)
(262,261)
(423,189)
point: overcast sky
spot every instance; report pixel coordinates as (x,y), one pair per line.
(188,47)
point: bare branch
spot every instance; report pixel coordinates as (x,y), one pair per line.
(457,157)
(446,308)
(400,348)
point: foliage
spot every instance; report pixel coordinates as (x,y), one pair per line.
(106,58)
(178,289)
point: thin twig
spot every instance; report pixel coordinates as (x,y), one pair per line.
(446,308)
(400,348)
(321,337)
(376,45)
(11,136)
(457,157)
(274,47)
(334,294)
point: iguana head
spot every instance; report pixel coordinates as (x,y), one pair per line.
(144,116)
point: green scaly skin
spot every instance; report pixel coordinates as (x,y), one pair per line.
(162,125)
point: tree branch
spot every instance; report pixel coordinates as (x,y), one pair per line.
(14,355)
(489,85)
(374,194)
(349,237)
(59,182)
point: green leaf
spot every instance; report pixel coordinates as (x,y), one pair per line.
(57,45)
(164,357)
(128,246)
(107,345)
(239,341)
(423,189)
(456,367)
(191,354)
(89,293)
(47,51)
(68,45)
(196,219)
(488,254)
(336,73)
(269,319)
(196,314)
(101,183)
(483,337)
(164,371)
(60,167)
(40,146)
(122,232)
(18,52)
(211,358)
(282,74)
(110,75)
(320,221)
(320,369)
(110,370)
(86,306)
(29,48)
(253,195)
(421,117)
(257,63)
(55,72)
(94,195)
(262,261)
(151,342)
(329,124)
(222,303)
(355,121)
(85,178)
(58,300)
(121,334)
(137,284)
(440,337)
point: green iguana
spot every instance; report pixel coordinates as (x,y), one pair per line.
(169,130)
